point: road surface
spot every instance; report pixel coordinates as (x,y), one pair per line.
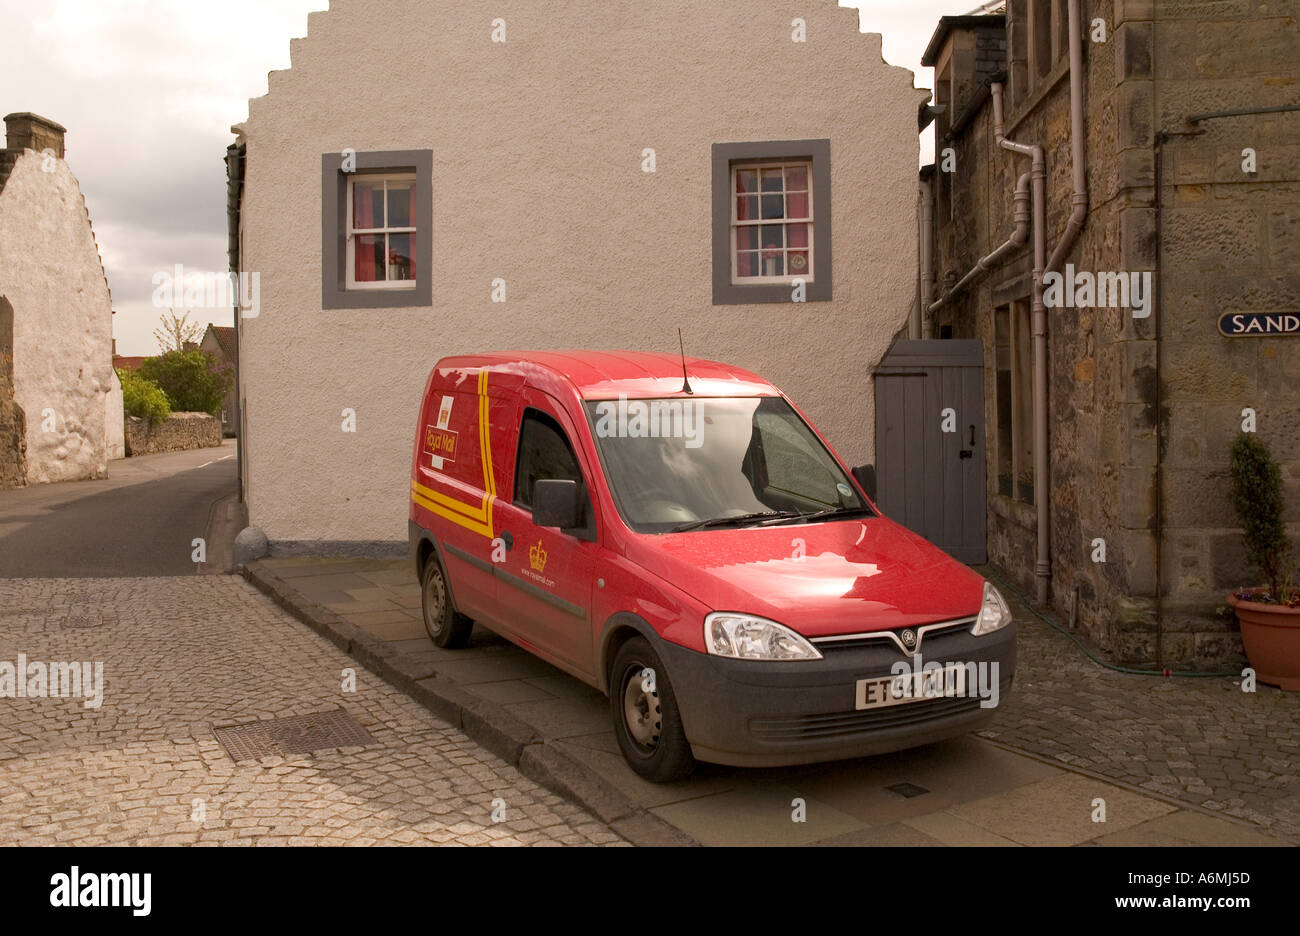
(141,520)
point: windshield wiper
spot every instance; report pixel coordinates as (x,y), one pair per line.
(768,515)
(820,515)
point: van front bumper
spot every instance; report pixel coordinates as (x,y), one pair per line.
(766,714)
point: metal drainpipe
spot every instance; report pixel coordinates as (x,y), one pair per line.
(926,195)
(1078,149)
(235,156)
(1017,239)
(1038,176)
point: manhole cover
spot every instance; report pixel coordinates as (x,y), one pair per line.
(297,734)
(907,789)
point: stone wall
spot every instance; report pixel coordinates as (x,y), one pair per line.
(1230,243)
(114,424)
(1133,400)
(13,431)
(177,432)
(13,423)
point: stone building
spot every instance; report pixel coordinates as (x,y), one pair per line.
(555,176)
(219,341)
(57,310)
(1182,162)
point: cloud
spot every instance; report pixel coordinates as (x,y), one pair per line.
(148,90)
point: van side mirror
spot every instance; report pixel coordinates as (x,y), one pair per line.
(865,475)
(556,503)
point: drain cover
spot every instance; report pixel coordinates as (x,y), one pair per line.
(297,734)
(907,789)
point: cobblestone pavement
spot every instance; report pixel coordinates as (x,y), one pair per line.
(181,655)
(1201,740)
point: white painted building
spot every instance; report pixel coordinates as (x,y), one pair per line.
(557,175)
(52,276)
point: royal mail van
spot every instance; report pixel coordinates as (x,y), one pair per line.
(674,532)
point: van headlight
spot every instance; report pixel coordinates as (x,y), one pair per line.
(746,637)
(994,613)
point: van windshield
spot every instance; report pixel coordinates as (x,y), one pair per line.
(683,464)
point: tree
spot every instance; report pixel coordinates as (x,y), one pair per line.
(1257,497)
(175,332)
(189,381)
(143,398)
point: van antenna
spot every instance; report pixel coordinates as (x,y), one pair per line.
(686,381)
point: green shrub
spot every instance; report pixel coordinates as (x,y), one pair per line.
(188,380)
(1257,497)
(143,398)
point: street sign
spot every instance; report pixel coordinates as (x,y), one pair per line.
(1259,324)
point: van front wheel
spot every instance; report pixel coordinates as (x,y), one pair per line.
(445,627)
(646,721)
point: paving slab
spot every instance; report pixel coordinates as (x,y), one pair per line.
(1187,828)
(508,691)
(943,828)
(603,757)
(518,665)
(1059,811)
(766,814)
(895,834)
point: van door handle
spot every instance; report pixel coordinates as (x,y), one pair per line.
(508,538)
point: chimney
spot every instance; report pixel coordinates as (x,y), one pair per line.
(33,132)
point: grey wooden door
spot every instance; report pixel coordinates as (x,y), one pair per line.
(929,480)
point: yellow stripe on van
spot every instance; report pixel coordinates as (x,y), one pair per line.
(477,518)
(485,436)
(469,523)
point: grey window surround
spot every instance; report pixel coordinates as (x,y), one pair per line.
(728,155)
(334,214)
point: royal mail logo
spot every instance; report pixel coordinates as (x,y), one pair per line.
(537,557)
(439,445)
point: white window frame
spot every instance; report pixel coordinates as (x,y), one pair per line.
(787,278)
(372,177)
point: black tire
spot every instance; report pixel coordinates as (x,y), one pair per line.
(445,627)
(646,720)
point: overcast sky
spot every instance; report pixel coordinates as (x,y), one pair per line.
(148,90)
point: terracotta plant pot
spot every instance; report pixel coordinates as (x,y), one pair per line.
(1271,635)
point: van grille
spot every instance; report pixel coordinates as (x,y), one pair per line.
(892,638)
(847,724)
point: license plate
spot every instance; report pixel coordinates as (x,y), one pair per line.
(912,687)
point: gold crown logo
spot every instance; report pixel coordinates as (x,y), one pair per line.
(537,557)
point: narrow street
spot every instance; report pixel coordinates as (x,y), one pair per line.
(101,573)
(141,520)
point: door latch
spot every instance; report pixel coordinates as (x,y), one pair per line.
(970,452)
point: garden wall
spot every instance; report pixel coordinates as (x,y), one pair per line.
(177,432)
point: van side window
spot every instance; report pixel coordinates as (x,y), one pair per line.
(544,454)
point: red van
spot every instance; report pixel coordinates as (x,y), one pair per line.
(674,532)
